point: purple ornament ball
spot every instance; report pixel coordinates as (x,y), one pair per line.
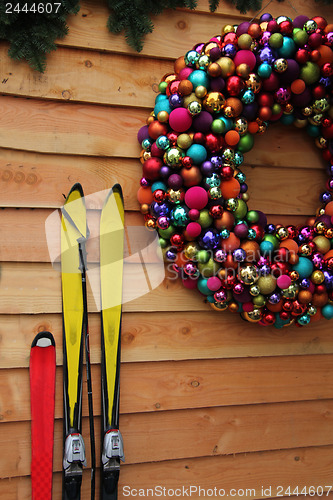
(207,168)
(266,17)
(299,21)
(291,73)
(202,122)
(175,181)
(250,111)
(242,28)
(217,84)
(214,54)
(143,133)
(302,99)
(165,172)
(241,231)
(243,297)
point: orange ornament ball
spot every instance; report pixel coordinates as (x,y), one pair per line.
(254,30)
(230,188)
(226,222)
(145,196)
(191,176)
(232,138)
(265,113)
(185,87)
(298,86)
(230,244)
(156,128)
(235,104)
(179,64)
(329,209)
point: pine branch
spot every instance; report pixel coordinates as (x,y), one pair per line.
(134,18)
(32,35)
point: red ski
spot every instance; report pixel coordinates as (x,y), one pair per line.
(42,391)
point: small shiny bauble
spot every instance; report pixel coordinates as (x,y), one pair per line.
(216,211)
(194,108)
(220,296)
(254,290)
(248,96)
(190,250)
(225,233)
(280,65)
(151,224)
(203,62)
(241,126)
(310,26)
(190,269)
(312,310)
(172,157)
(282,233)
(179,216)
(177,240)
(191,57)
(220,255)
(162,142)
(159,195)
(214,193)
(239,255)
(291,292)
(243,70)
(248,274)
(175,196)
(254,83)
(234,85)
(253,316)
(163,222)
(232,204)
(213,181)
(144,209)
(321,105)
(214,102)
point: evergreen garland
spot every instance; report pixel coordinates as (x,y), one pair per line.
(32,35)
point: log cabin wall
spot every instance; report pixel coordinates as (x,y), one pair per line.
(206,399)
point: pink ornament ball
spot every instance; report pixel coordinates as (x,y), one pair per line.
(245,57)
(283,281)
(214,283)
(193,229)
(185,73)
(190,283)
(194,214)
(180,119)
(196,197)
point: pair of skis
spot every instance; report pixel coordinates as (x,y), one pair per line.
(74,234)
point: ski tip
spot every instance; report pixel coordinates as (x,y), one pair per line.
(43,339)
(116,189)
(76,187)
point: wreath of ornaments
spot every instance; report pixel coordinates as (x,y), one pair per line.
(193,192)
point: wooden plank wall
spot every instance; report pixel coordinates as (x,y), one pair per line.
(206,399)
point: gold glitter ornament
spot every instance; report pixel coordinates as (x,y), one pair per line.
(267,284)
(214,70)
(184,141)
(144,209)
(227,66)
(214,102)
(228,28)
(243,70)
(163,116)
(190,250)
(317,277)
(200,91)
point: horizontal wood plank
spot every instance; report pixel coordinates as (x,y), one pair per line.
(155,437)
(84,129)
(172,385)
(85,76)
(278,470)
(152,337)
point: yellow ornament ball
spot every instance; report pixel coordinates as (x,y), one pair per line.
(267,284)
(227,66)
(322,243)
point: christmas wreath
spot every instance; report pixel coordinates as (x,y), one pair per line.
(194,193)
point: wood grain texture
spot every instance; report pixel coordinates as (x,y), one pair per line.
(84,129)
(172,385)
(85,76)
(206,399)
(152,337)
(154,437)
(278,470)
